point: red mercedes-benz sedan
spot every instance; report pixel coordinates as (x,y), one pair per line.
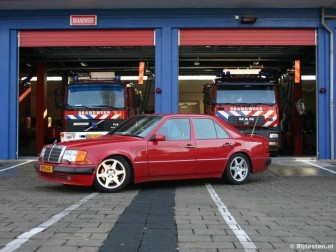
(156,147)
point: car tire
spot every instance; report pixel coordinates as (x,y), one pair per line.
(112,174)
(237,169)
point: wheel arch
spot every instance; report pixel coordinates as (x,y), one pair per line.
(239,152)
(126,158)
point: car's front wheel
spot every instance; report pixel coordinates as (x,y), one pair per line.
(113,174)
(238,169)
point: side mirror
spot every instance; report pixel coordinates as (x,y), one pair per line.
(158,137)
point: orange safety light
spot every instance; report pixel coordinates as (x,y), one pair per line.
(141,71)
(297,71)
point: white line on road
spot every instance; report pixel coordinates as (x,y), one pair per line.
(14,166)
(24,237)
(243,238)
(318,166)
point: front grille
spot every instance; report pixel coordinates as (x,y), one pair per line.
(246,121)
(53,154)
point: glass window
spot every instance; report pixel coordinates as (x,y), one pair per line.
(139,126)
(208,129)
(176,129)
(245,93)
(221,133)
(96,96)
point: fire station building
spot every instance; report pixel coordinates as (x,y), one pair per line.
(184,45)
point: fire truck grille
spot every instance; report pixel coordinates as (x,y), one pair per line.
(90,125)
(246,121)
(53,154)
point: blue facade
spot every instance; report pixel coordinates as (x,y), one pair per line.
(166,24)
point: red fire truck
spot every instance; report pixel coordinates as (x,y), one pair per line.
(247,102)
(94,107)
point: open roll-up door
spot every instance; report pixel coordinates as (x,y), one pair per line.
(247,37)
(61,38)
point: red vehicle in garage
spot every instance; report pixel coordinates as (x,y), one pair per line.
(247,102)
(156,147)
(93,107)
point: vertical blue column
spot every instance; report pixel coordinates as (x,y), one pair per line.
(8,93)
(166,70)
(323,100)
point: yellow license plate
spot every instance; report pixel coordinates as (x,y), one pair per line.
(46,168)
(93,135)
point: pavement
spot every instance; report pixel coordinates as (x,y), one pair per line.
(289,207)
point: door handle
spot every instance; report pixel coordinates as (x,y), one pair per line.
(189,146)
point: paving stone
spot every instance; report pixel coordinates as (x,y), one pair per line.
(272,210)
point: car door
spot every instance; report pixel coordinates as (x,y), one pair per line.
(213,145)
(176,154)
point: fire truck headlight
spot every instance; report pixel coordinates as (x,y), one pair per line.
(274,135)
(74,155)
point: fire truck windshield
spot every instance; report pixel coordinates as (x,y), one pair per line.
(93,96)
(245,93)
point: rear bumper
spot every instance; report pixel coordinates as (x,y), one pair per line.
(260,164)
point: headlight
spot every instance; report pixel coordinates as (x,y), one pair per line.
(42,152)
(274,135)
(74,155)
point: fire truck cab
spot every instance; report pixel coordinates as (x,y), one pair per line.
(247,102)
(92,108)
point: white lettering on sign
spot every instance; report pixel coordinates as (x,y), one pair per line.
(246,109)
(83,20)
(94,112)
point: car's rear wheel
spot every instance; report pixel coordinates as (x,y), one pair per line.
(112,175)
(238,169)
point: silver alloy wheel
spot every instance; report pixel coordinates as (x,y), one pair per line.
(111,174)
(239,168)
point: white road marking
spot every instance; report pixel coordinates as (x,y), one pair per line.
(318,166)
(24,237)
(14,166)
(243,238)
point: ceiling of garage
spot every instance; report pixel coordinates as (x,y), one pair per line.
(124,60)
(151,4)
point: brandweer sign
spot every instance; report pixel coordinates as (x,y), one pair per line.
(94,112)
(246,109)
(78,20)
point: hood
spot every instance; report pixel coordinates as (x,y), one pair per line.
(99,141)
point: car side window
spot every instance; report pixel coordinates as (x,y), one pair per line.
(176,129)
(208,129)
(221,133)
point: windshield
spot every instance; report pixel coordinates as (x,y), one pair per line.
(96,96)
(139,126)
(245,93)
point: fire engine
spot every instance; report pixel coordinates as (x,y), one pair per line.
(92,108)
(247,102)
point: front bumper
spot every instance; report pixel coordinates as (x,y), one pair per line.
(71,175)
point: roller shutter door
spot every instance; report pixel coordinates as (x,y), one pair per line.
(247,37)
(61,38)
